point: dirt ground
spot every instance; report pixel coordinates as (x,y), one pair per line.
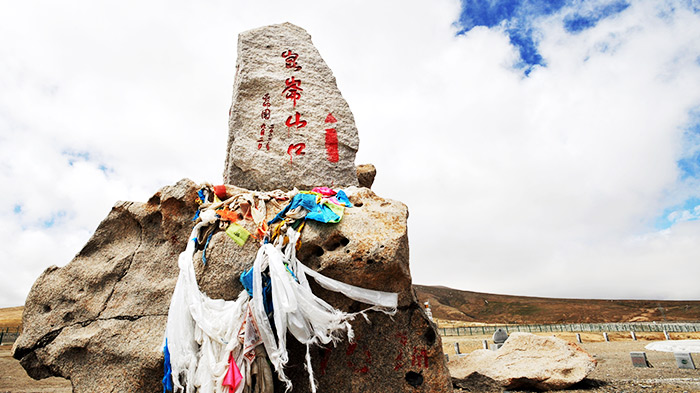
(614,372)
(13,378)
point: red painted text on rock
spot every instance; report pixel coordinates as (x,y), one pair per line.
(290,60)
(292,90)
(295,121)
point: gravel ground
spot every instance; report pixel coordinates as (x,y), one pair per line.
(614,372)
(13,378)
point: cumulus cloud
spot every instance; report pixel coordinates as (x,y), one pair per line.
(556,182)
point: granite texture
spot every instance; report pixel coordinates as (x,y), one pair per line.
(289,126)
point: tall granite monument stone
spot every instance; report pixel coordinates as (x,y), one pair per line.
(288,125)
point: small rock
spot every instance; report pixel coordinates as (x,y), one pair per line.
(527,361)
(366,174)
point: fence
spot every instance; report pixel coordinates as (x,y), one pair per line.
(9,335)
(573,327)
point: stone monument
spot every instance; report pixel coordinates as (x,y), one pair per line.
(99,321)
(289,125)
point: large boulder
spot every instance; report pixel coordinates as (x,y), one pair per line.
(99,321)
(289,126)
(528,361)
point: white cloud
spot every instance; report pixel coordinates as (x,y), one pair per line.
(547,185)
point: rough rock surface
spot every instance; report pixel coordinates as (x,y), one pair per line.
(366,174)
(289,126)
(100,320)
(527,361)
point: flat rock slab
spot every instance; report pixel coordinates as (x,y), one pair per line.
(527,361)
(690,346)
(289,126)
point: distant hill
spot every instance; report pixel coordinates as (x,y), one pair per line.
(456,305)
(11,316)
(452,304)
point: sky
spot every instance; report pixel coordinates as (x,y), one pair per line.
(543,148)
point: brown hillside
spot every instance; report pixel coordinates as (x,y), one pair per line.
(456,305)
(11,316)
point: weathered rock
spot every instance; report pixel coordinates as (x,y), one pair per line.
(100,320)
(366,174)
(527,361)
(102,316)
(289,125)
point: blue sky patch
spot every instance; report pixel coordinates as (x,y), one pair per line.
(518,16)
(74,156)
(689,173)
(694,5)
(689,164)
(17,209)
(55,217)
(688,211)
(105,169)
(580,21)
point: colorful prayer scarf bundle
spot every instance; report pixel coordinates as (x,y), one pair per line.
(214,345)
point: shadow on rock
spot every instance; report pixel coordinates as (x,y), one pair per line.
(476,382)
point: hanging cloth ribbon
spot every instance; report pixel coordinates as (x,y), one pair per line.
(203,335)
(316,209)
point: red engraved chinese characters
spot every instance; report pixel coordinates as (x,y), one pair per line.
(296,122)
(298,150)
(265,115)
(399,361)
(362,364)
(290,60)
(418,355)
(261,140)
(419,358)
(262,137)
(292,90)
(270,131)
